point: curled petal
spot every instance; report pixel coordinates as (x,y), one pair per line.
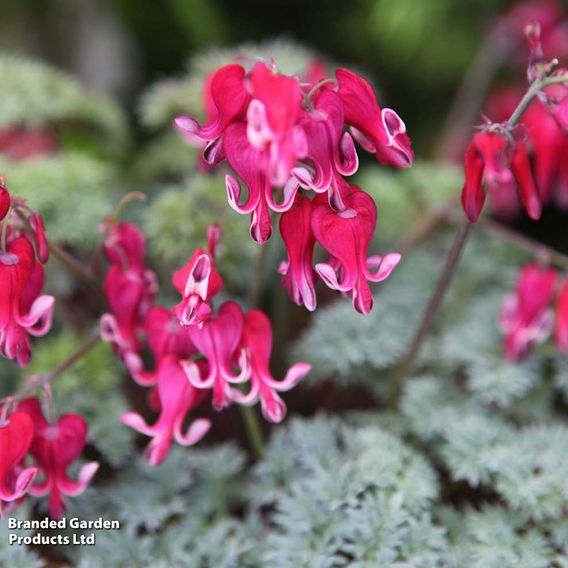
(383,265)
(86,474)
(197,429)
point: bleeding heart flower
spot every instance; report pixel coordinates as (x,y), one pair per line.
(495,163)
(346,235)
(227,100)
(380,131)
(177,397)
(257,341)
(22,310)
(218,341)
(198,282)
(54,448)
(526,318)
(298,274)
(16,434)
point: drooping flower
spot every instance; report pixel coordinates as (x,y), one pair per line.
(198,282)
(526,317)
(331,151)
(346,235)
(298,273)
(257,341)
(16,434)
(218,341)
(165,336)
(23,310)
(561,332)
(271,121)
(495,163)
(177,396)
(130,290)
(227,99)
(54,448)
(380,131)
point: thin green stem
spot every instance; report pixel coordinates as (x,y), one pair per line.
(48,377)
(537,87)
(129,197)
(254,431)
(318,86)
(78,270)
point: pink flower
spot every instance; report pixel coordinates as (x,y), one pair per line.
(198,282)
(165,336)
(248,163)
(526,318)
(495,163)
(23,310)
(346,235)
(298,274)
(177,397)
(271,121)
(562,319)
(130,290)
(218,341)
(54,448)
(257,341)
(227,100)
(331,151)
(380,131)
(16,434)
(124,245)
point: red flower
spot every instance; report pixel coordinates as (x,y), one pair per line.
(130,290)
(298,274)
(271,121)
(218,341)
(54,448)
(176,397)
(346,235)
(257,341)
(22,310)
(16,434)
(495,163)
(227,100)
(198,282)
(562,319)
(380,131)
(526,318)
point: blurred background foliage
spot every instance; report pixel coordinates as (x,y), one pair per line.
(416,51)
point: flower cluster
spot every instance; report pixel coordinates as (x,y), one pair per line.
(24,250)
(195,348)
(53,447)
(527,317)
(540,175)
(496,162)
(287,139)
